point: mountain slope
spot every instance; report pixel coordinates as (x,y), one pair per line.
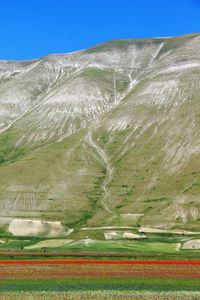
(105,136)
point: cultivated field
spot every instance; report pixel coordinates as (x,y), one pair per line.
(99,279)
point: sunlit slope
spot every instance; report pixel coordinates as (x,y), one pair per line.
(105,136)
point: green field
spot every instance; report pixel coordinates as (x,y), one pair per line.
(153,247)
(92,284)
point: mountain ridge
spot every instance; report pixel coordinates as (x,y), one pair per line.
(103,136)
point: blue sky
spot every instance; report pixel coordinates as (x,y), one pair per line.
(33,28)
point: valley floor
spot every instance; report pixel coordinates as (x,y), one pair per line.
(156,267)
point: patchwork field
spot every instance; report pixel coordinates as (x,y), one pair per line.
(91,244)
(99,279)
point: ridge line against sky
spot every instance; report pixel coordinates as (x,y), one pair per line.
(35,28)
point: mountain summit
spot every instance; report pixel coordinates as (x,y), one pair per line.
(108,136)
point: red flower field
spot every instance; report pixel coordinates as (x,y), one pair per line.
(90,268)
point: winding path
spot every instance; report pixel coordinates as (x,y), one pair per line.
(99,153)
(102,158)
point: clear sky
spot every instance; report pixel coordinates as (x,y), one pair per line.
(33,28)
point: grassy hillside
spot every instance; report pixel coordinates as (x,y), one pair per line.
(103,137)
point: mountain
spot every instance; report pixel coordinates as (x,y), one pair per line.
(108,136)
